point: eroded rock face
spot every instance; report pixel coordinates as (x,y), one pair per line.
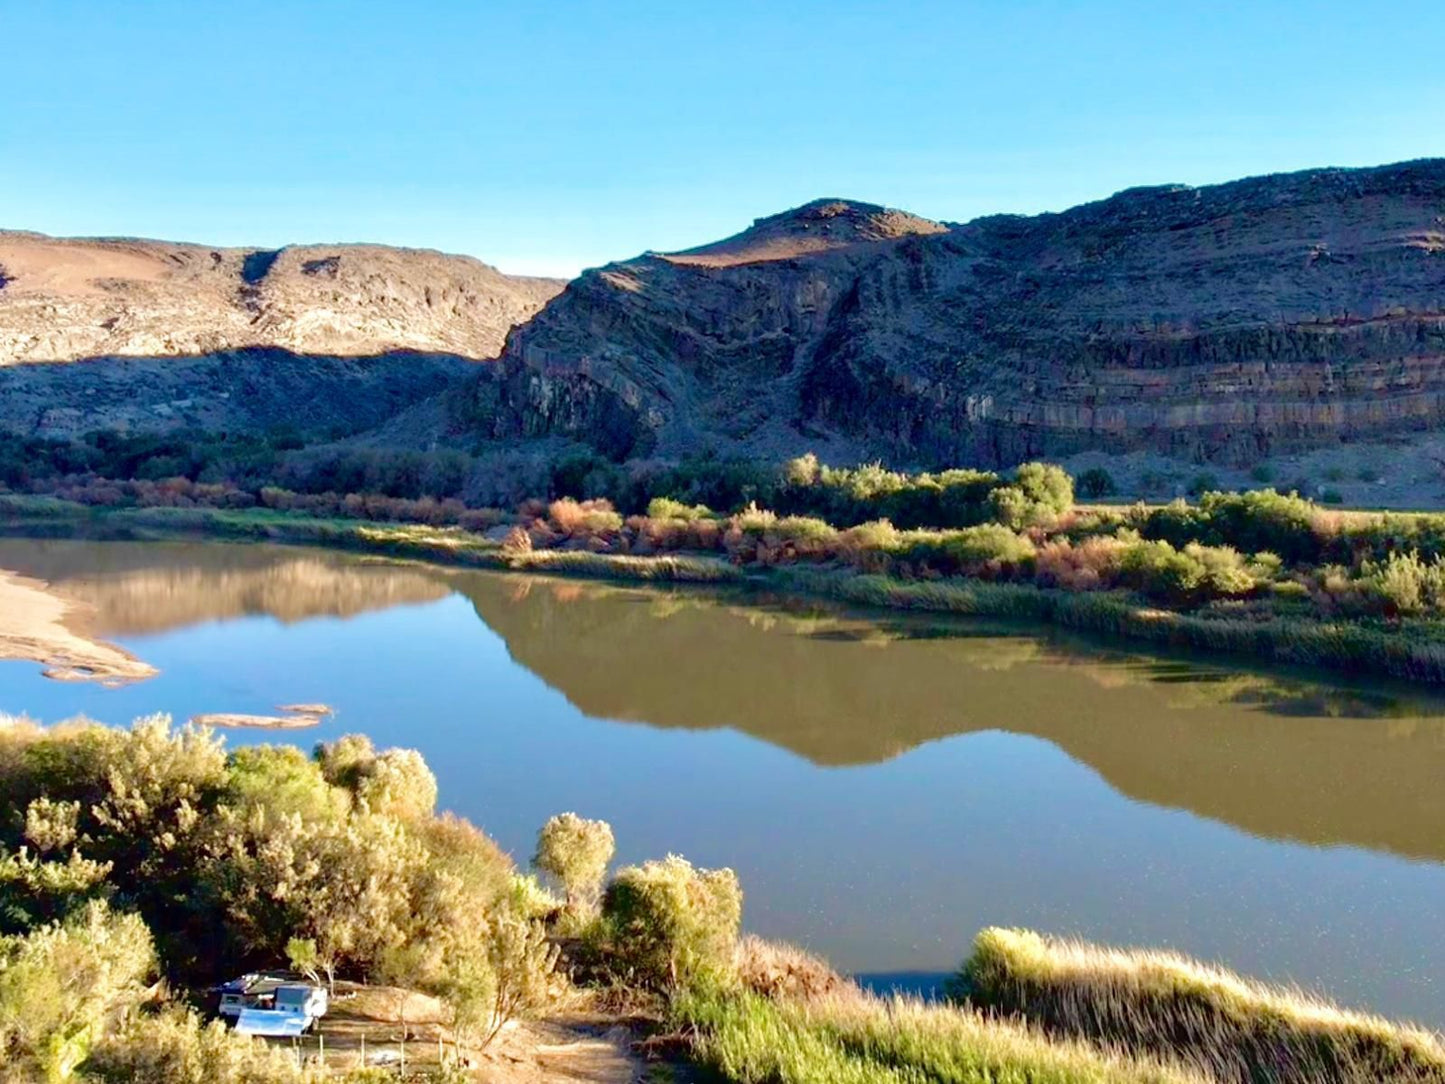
(1220,322)
(66,299)
(325,339)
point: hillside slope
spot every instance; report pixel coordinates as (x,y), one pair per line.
(63,299)
(322,338)
(1225,322)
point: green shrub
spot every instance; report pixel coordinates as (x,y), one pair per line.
(60,985)
(1096,483)
(803,471)
(1250,522)
(576,852)
(1201,484)
(870,546)
(990,550)
(1038,494)
(667,508)
(1163,573)
(670,926)
(1046,485)
(1403,584)
(989,545)
(175,1047)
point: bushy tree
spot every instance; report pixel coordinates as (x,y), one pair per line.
(1096,482)
(138,794)
(495,972)
(281,779)
(59,984)
(670,926)
(396,783)
(344,886)
(575,851)
(34,892)
(1038,494)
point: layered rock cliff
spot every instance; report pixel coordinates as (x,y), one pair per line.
(1222,322)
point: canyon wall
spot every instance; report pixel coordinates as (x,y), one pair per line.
(1225,323)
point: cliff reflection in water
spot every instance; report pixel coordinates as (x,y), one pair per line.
(131,588)
(1285,756)
(1279,755)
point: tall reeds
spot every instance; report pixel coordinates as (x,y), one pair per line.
(1237,1030)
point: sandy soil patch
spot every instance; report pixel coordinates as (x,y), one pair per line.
(364,1027)
(37,625)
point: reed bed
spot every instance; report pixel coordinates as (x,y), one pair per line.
(853,1038)
(1340,645)
(1237,1030)
(1412,649)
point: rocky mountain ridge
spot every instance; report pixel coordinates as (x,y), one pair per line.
(322,339)
(63,299)
(1222,322)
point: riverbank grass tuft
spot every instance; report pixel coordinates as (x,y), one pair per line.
(1238,1030)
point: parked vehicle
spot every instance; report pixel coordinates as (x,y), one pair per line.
(275,1003)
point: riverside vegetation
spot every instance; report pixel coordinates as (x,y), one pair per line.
(149,853)
(1259,573)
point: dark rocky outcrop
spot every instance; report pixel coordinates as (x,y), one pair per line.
(1224,322)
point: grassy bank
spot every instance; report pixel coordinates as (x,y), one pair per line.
(1239,1030)
(852,1038)
(1408,652)
(1408,648)
(49,517)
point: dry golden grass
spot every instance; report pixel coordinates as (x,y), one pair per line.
(777,970)
(1152,1002)
(850,1036)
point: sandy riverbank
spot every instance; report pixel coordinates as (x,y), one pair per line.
(37,625)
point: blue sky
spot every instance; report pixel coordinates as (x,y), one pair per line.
(552,135)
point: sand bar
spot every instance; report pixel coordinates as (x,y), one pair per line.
(39,626)
(297,717)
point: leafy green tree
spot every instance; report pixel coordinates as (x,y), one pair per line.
(61,983)
(34,892)
(671,926)
(576,852)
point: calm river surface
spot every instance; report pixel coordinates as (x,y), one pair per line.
(884,786)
